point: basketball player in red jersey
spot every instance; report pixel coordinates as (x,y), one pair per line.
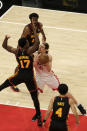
(25,73)
(60,106)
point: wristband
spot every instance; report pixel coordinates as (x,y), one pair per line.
(44,121)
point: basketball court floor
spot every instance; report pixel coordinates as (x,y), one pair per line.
(66,34)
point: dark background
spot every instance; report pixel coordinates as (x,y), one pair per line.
(65,5)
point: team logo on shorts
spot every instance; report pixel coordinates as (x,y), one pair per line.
(1,4)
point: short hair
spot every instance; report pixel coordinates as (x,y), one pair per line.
(63,89)
(22,42)
(33,15)
(46,45)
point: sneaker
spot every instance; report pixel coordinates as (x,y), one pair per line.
(34,118)
(82,110)
(15,89)
(39,122)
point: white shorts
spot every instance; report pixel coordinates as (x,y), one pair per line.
(51,80)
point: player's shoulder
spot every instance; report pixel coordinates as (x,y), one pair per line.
(71,101)
(40,24)
(26,27)
(50,57)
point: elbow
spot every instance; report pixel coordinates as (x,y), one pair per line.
(3,46)
(37,47)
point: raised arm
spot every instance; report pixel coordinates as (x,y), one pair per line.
(43,34)
(26,32)
(33,48)
(7,47)
(73,108)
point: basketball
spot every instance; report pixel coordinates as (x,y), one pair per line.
(43,58)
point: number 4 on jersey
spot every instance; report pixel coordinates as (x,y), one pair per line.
(59,112)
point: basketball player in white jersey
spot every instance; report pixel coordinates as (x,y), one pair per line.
(45,76)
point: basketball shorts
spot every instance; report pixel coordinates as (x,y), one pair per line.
(23,77)
(58,126)
(51,80)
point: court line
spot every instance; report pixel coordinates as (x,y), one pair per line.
(6,12)
(50,10)
(14,23)
(31,107)
(17,105)
(50,27)
(41,9)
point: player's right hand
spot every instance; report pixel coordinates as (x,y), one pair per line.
(43,124)
(77,122)
(7,36)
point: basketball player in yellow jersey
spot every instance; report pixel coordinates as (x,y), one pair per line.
(28,32)
(60,106)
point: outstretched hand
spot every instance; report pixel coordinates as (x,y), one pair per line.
(7,36)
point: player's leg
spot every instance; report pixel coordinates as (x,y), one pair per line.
(15,88)
(5,85)
(52,81)
(40,85)
(37,107)
(12,81)
(32,87)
